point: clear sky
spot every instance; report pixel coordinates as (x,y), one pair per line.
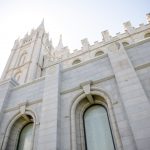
(74,19)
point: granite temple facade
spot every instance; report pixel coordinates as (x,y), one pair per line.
(96,98)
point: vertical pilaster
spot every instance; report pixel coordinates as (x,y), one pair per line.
(134,99)
(48,131)
(5,88)
(34,59)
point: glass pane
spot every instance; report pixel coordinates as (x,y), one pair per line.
(25,139)
(97,129)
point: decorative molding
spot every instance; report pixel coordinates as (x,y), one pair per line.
(93,82)
(29,83)
(18,67)
(86,86)
(70,90)
(142,66)
(21,106)
(137,43)
(10,80)
(85,62)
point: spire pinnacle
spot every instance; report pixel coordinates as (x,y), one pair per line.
(41,26)
(42,23)
(60,44)
(26,35)
(51,44)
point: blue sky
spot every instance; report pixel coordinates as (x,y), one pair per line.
(74,19)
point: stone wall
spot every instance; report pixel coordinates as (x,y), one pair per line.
(119,79)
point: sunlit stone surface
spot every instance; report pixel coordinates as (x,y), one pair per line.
(58,91)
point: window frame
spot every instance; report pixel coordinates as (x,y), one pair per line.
(79,105)
(12,121)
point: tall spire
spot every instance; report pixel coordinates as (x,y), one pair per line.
(51,45)
(41,26)
(26,35)
(60,44)
(51,42)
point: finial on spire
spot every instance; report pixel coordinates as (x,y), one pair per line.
(41,26)
(26,35)
(60,44)
(51,45)
(60,40)
(16,43)
(42,21)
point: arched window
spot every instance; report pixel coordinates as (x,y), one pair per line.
(25,138)
(125,43)
(147,35)
(97,129)
(22,59)
(17,76)
(20,136)
(99,53)
(77,61)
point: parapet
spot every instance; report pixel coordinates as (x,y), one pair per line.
(61,53)
(130,35)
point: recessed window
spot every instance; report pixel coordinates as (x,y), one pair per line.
(99,53)
(17,76)
(21,134)
(25,138)
(22,59)
(125,43)
(98,134)
(147,35)
(77,61)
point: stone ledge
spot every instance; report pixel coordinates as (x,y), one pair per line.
(18,106)
(86,62)
(93,82)
(29,83)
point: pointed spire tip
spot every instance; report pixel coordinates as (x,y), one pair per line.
(60,44)
(42,24)
(42,21)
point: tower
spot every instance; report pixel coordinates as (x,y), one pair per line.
(27,56)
